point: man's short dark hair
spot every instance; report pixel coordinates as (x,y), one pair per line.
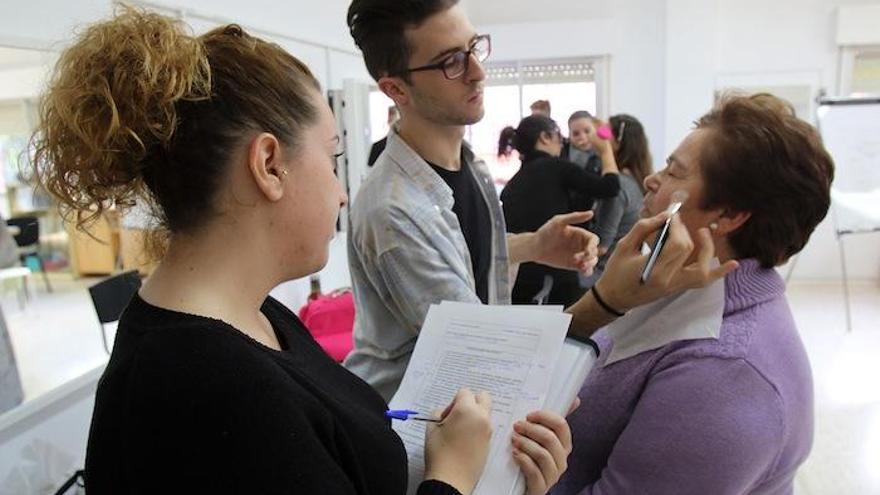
(377,27)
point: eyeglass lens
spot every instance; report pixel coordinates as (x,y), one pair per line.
(457,64)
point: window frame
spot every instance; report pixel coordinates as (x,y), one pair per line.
(848,56)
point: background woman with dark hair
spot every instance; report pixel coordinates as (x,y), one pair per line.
(541,189)
(616,216)
(505,142)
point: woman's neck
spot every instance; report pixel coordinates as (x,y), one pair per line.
(215,275)
(540,147)
(723,251)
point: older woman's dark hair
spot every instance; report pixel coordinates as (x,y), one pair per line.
(529,131)
(762,159)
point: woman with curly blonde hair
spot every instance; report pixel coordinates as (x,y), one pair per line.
(212,386)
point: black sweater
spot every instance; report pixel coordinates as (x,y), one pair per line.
(541,189)
(189,404)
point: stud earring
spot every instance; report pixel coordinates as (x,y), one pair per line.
(284,171)
(713,226)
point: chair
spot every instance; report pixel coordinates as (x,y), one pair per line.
(28,240)
(111,296)
(19,272)
(77,482)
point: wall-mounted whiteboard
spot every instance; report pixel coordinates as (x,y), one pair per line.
(850,129)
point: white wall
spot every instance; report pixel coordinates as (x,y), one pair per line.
(632,33)
(315,32)
(23,83)
(668,58)
(779,42)
(46,23)
(320,22)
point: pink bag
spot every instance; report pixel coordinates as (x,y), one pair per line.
(330,320)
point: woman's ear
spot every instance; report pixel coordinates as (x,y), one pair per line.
(730,221)
(265,163)
(545,137)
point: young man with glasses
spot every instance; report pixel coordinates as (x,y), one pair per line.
(426,225)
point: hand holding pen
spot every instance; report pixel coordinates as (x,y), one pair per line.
(406,414)
(457,446)
(678,197)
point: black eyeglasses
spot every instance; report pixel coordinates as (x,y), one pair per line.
(458,63)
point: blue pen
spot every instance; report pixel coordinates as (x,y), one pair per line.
(405,414)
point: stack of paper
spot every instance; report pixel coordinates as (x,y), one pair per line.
(516,353)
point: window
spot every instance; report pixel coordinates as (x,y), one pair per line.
(860,70)
(511,88)
(866,73)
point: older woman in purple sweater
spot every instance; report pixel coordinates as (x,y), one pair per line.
(728,411)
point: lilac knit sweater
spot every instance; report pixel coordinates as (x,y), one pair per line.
(726,416)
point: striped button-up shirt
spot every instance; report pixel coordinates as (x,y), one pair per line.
(406,251)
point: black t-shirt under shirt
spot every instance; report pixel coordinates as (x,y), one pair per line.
(473,217)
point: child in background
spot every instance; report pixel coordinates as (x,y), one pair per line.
(579,150)
(616,216)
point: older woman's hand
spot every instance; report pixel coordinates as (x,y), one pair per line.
(684,263)
(541,446)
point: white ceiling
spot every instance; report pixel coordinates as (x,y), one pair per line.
(482,12)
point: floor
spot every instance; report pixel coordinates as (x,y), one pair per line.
(846,367)
(56,338)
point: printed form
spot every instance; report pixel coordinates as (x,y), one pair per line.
(508,351)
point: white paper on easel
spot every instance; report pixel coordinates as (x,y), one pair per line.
(509,352)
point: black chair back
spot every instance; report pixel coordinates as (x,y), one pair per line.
(29,230)
(112,295)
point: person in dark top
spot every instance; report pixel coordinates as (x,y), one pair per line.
(578,149)
(473,218)
(212,386)
(505,142)
(379,146)
(542,189)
